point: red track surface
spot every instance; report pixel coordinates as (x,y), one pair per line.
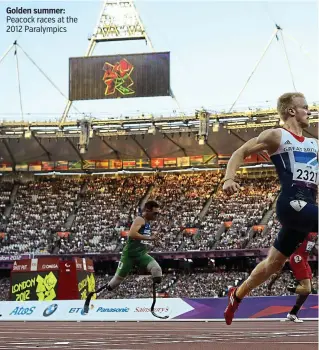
(159,335)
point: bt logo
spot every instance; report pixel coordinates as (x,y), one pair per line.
(76,310)
(79,310)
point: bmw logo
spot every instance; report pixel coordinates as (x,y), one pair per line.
(50,310)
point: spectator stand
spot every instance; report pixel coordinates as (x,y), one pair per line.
(7,197)
(183,199)
(39,211)
(107,208)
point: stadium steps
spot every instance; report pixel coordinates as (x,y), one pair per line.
(264,221)
(147,195)
(219,233)
(267,217)
(13,196)
(275,202)
(201,216)
(70,220)
(206,206)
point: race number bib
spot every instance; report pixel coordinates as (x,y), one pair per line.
(305,173)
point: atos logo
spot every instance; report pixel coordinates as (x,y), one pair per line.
(50,310)
(22,311)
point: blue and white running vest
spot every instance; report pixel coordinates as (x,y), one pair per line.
(296,163)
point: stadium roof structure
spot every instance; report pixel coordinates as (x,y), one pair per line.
(143,137)
(126,138)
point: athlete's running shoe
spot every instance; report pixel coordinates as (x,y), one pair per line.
(294,318)
(231,307)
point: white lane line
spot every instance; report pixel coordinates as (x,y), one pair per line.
(134,327)
(298,342)
(277,342)
(94,330)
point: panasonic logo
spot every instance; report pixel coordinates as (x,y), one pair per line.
(106,309)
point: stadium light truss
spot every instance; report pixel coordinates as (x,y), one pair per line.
(148,125)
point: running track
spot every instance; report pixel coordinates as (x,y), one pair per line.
(259,335)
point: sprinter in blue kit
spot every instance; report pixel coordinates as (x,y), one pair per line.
(296,160)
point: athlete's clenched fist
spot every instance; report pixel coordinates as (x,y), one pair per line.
(230,187)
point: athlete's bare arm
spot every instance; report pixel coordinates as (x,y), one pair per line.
(268,140)
(134,234)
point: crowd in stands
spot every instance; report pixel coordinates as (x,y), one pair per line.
(107,208)
(199,241)
(265,238)
(5,193)
(182,198)
(40,210)
(191,285)
(95,210)
(243,209)
(137,286)
(198,285)
(4,289)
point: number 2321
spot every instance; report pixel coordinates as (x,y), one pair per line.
(307,175)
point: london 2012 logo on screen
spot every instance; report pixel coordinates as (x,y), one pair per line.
(117,77)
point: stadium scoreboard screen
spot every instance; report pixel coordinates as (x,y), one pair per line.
(119,76)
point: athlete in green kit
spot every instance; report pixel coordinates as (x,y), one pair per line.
(135,253)
(135,250)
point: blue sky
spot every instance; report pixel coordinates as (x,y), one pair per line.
(214,47)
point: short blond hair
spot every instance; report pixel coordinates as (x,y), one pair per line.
(285,101)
